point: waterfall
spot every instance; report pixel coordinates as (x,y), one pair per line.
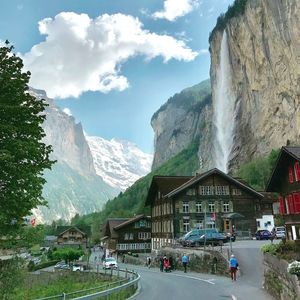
(223,110)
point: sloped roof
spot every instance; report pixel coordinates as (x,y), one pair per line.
(130,221)
(202,176)
(285,152)
(108,229)
(165,184)
(63,229)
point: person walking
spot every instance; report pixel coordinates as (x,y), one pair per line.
(233,264)
(185,260)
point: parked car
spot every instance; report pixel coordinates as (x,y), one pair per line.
(77,267)
(204,236)
(62,266)
(280,232)
(263,234)
(110,263)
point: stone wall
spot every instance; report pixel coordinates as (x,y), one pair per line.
(278,282)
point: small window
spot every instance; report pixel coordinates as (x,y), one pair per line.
(236,192)
(225,207)
(186,225)
(211,207)
(198,207)
(185,207)
(191,192)
(291,175)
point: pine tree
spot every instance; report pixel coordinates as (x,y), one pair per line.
(23,156)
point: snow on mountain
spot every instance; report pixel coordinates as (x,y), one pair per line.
(119,163)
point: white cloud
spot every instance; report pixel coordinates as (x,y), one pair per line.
(174,9)
(81,54)
(67,111)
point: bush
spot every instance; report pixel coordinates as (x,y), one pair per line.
(32,267)
(294,268)
(270,248)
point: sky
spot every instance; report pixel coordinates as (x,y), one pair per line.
(112,64)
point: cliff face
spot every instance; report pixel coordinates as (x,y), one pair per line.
(264,54)
(185,117)
(66,137)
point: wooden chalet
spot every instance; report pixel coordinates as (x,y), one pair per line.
(72,236)
(128,235)
(208,200)
(285,180)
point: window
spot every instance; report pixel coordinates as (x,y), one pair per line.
(185,207)
(236,192)
(198,207)
(296,197)
(297,171)
(281,206)
(211,207)
(191,192)
(291,204)
(291,175)
(206,190)
(225,207)
(222,190)
(186,225)
(144,235)
(199,224)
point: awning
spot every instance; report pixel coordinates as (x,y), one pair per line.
(233,216)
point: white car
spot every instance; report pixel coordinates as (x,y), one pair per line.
(77,267)
(280,232)
(110,263)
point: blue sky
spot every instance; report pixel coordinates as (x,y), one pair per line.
(112,64)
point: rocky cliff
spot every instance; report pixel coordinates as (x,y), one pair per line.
(72,184)
(264,55)
(185,117)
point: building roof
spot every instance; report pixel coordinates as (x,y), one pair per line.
(285,153)
(204,175)
(130,221)
(165,184)
(62,229)
(108,229)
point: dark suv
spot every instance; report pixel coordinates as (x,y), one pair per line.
(263,234)
(199,237)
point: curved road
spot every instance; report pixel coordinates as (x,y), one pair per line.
(156,285)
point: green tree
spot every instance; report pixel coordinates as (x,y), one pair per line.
(23,157)
(67,254)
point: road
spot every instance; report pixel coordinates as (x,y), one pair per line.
(155,285)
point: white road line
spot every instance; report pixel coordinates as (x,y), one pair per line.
(192,277)
(234,297)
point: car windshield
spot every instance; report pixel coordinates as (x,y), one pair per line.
(110,259)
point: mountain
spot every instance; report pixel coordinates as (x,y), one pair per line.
(72,184)
(184,118)
(257,43)
(119,163)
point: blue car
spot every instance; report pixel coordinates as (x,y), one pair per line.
(263,234)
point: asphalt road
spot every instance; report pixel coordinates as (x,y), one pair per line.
(156,285)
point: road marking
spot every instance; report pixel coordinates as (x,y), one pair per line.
(234,297)
(196,278)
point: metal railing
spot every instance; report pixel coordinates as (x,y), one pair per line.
(130,279)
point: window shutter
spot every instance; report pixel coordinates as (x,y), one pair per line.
(296,197)
(297,170)
(281,206)
(291,204)
(291,177)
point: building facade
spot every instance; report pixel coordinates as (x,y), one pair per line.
(209,200)
(285,180)
(129,235)
(72,236)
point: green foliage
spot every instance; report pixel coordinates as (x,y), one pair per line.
(11,277)
(23,157)
(191,98)
(67,254)
(294,268)
(32,267)
(236,9)
(270,248)
(27,237)
(133,199)
(258,171)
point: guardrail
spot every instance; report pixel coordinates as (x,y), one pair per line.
(130,279)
